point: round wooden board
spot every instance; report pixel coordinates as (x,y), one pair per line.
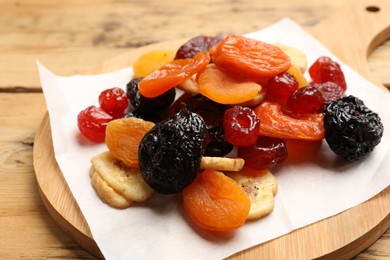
(351,33)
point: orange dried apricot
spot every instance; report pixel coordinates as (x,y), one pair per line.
(152,61)
(172,74)
(216,202)
(297,74)
(123,137)
(255,59)
(275,123)
(225,88)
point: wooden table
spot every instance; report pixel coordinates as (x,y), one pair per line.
(71,37)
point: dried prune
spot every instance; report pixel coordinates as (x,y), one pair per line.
(217,145)
(211,112)
(195,45)
(146,105)
(351,129)
(169,155)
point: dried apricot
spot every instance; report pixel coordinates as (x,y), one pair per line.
(276,123)
(225,88)
(123,137)
(172,74)
(215,202)
(151,61)
(249,57)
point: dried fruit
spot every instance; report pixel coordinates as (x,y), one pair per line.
(241,125)
(92,123)
(225,88)
(275,123)
(351,129)
(123,137)
(169,155)
(114,101)
(298,75)
(306,100)
(281,86)
(215,202)
(217,144)
(172,74)
(152,61)
(249,57)
(325,69)
(195,45)
(151,109)
(329,90)
(265,153)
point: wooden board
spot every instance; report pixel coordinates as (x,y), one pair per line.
(351,33)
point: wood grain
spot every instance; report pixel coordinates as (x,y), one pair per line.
(357,228)
(74,35)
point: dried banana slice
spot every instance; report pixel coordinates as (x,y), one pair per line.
(107,194)
(298,58)
(261,190)
(222,163)
(125,180)
(189,86)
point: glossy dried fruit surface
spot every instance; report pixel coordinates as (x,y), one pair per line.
(329,90)
(241,126)
(216,202)
(265,153)
(152,61)
(92,123)
(306,100)
(351,129)
(169,155)
(281,86)
(196,45)
(114,101)
(217,144)
(325,69)
(172,74)
(224,87)
(123,137)
(275,123)
(252,58)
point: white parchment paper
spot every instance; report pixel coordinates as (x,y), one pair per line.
(313,184)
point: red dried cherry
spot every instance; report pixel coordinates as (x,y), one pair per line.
(281,87)
(306,100)
(265,153)
(114,101)
(92,123)
(241,126)
(330,90)
(324,69)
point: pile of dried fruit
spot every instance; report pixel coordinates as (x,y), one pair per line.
(242,99)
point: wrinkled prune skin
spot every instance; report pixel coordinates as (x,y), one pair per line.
(211,112)
(351,129)
(169,155)
(195,45)
(147,108)
(217,146)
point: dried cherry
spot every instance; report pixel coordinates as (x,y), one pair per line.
(281,86)
(92,123)
(169,155)
(306,100)
(351,129)
(241,125)
(325,69)
(195,45)
(114,101)
(265,153)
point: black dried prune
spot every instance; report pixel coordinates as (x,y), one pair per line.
(144,105)
(195,45)
(169,154)
(351,129)
(217,145)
